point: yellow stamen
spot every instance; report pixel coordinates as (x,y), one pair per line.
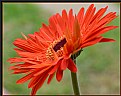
(51,53)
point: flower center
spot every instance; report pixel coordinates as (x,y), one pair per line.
(59,45)
(56,47)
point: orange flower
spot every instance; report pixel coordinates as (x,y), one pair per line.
(47,52)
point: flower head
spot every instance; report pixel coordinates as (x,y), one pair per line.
(47,53)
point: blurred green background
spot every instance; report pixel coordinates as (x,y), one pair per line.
(98,65)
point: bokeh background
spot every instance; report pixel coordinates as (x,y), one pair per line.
(98,65)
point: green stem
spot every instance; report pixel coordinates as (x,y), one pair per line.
(74,78)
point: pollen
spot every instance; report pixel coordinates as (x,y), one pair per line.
(57,47)
(49,53)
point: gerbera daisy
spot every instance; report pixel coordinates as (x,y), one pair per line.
(48,52)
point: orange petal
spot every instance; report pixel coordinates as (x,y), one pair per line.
(76,30)
(50,78)
(88,15)
(100,13)
(23,44)
(38,85)
(72,66)
(64,15)
(64,64)
(19,71)
(71,20)
(25,78)
(80,15)
(44,32)
(99,32)
(35,80)
(92,42)
(55,67)
(59,74)
(42,71)
(47,31)
(16,60)
(107,40)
